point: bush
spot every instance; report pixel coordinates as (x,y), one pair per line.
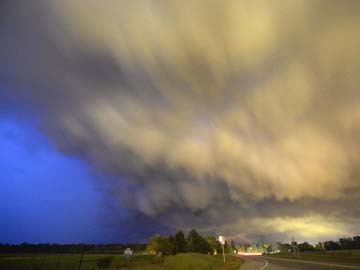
(104,262)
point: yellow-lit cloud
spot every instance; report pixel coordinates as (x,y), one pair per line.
(201,102)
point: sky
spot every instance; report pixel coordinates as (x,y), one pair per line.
(39,187)
(121,119)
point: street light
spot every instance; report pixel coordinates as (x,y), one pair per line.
(222,242)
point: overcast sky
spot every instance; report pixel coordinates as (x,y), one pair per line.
(233,117)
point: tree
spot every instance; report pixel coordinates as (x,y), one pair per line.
(320,246)
(215,244)
(286,247)
(205,247)
(227,247)
(161,244)
(173,243)
(357,241)
(347,243)
(193,240)
(331,245)
(305,247)
(181,245)
(268,248)
(197,244)
(233,247)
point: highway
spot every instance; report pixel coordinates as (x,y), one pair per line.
(267,263)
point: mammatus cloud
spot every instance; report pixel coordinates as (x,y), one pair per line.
(201,106)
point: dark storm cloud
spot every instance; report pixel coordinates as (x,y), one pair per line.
(237,117)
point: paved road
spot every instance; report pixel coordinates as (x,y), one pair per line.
(253,263)
(266,263)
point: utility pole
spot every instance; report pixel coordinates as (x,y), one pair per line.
(222,242)
(295,247)
(81,260)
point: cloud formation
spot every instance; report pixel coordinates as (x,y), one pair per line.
(208,110)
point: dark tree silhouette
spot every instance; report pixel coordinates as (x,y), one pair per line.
(181,245)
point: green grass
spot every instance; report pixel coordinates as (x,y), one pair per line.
(336,256)
(188,261)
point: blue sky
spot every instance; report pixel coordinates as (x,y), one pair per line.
(45,196)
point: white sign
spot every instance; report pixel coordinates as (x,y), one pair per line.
(222,240)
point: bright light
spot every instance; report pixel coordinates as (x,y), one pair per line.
(222,240)
(249,253)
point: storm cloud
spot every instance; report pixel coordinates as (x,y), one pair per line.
(239,117)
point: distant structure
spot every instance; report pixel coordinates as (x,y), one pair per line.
(128,252)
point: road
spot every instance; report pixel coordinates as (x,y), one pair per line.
(266,263)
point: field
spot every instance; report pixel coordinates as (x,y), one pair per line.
(186,261)
(336,256)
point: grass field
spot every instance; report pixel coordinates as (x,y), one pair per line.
(188,261)
(336,256)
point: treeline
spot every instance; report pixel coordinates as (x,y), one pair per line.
(193,242)
(70,248)
(178,243)
(342,244)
